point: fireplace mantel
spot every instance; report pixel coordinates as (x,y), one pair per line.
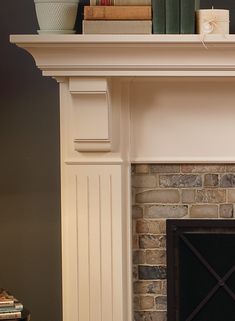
(131,55)
(124,99)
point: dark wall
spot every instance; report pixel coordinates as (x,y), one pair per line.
(222,4)
(30,251)
(30,258)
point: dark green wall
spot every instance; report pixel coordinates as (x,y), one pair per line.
(30,258)
(29,168)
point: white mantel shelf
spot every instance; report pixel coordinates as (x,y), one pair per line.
(131,55)
(125,99)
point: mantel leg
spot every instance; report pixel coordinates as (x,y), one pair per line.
(95,225)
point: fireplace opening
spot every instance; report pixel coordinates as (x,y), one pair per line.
(201,270)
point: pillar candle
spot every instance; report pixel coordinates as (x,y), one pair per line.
(212,21)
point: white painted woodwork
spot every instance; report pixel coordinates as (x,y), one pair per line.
(123,99)
(90,114)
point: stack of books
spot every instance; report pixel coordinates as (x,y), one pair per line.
(10,307)
(118,17)
(174,16)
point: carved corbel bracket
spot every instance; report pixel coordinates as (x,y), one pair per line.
(91,114)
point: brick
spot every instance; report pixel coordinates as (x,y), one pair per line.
(147,272)
(226,210)
(137,212)
(146,181)
(210,196)
(204,211)
(135,241)
(150,287)
(164,287)
(211,180)
(150,316)
(166,211)
(203,168)
(227,180)
(231,195)
(156,257)
(136,302)
(135,274)
(230,168)
(159,196)
(132,169)
(180,180)
(152,241)
(164,168)
(139,257)
(151,226)
(141,169)
(188,196)
(161,302)
(146,302)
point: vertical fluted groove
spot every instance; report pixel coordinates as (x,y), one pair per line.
(111,236)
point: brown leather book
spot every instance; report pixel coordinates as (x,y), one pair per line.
(117,13)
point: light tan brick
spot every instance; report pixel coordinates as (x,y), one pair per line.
(231,195)
(150,287)
(211,180)
(204,211)
(166,211)
(139,257)
(188,196)
(151,226)
(230,168)
(137,212)
(164,287)
(146,181)
(135,241)
(136,302)
(152,241)
(210,196)
(142,168)
(226,210)
(156,257)
(146,302)
(159,196)
(203,168)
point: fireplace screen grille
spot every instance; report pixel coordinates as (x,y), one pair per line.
(201,270)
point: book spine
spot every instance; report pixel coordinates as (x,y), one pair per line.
(7,303)
(172,16)
(10,315)
(159,16)
(120,2)
(117,27)
(15,308)
(117,13)
(187,16)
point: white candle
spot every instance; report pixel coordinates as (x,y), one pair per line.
(212,21)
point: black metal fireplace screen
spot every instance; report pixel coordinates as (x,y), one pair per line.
(201,270)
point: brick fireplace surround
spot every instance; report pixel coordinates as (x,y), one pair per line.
(167,191)
(164,104)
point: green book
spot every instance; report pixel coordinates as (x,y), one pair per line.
(173,16)
(187,15)
(159,16)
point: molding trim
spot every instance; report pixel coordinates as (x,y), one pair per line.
(131,55)
(91,114)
